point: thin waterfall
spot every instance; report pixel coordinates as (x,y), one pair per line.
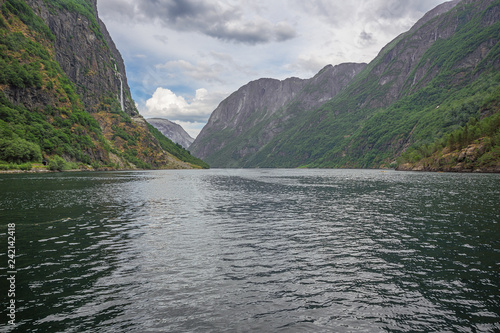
(121,88)
(121,93)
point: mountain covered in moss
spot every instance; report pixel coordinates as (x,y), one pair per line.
(411,101)
(64,92)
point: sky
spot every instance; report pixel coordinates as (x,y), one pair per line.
(183,57)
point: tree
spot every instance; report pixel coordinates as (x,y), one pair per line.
(16,150)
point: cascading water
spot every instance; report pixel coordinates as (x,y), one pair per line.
(121,92)
(121,88)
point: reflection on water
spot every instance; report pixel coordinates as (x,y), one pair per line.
(254,250)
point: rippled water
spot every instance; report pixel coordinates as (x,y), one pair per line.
(253,251)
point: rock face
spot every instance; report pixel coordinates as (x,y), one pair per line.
(60,69)
(418,88)
(173,131)
(252,116)
(87,54)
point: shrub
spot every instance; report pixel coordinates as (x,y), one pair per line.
(18,150)
(26,166)
(96,165)
(57,164)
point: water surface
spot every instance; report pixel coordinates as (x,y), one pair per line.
(253,251)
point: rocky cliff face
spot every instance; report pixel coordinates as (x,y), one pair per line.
(424,84)
(252,116)
(86,53)
(173,131)
(64,91)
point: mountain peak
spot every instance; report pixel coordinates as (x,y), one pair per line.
(173,131)
(424,84)
(258,111)
(440,9)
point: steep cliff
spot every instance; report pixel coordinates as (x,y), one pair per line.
(426,83)
(64,91)
(255,114)
(173,131)
(85,51)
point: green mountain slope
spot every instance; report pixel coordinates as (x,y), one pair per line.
(400,99)
(250,118)
(425,84)
(473,147)
(55,102)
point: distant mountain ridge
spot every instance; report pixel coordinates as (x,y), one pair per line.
(173,131)
(252,116)
(422,86)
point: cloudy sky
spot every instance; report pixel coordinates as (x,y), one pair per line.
(183,57)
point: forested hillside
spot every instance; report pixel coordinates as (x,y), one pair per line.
(473,147)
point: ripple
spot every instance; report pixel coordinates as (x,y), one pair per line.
(256,250)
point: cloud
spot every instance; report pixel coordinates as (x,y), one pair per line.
(386,17)
(222,20)
(161,38)
(202,71)
(166,104)
(221,45)
(310,63)
(366,38)
(119,8)
(252,32)
(222,56)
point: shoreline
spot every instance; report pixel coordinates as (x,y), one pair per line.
(448,169)
(407,167)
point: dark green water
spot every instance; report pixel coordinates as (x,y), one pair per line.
(253,251)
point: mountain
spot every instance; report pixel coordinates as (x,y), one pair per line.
(64,92)
(172,131)
(258,112)
(425,84)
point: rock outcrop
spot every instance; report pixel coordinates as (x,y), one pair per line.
(87,54)
(467,159)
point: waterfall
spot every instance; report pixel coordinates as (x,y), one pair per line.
(121,87)
(121,92)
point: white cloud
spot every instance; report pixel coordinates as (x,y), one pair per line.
(191,114)
(166,104)
(202,71)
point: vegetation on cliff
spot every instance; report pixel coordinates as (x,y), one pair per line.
(473,147)
(43,114)
(377,118)
(422,87)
